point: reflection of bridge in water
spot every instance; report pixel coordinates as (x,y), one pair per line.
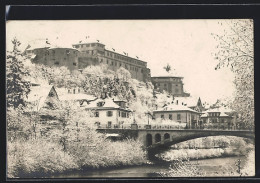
(158,138)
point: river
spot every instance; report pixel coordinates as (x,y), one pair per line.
(209,166)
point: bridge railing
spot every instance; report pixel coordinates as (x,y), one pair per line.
(174,127)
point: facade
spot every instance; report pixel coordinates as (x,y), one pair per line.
(108,113)
(173,85)
(217,118)
(55,56)
(95,53)
(178,113)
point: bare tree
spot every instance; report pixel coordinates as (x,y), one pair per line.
(235,50)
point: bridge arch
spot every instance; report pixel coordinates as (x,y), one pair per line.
(157,137)
(149,139)
(166,136)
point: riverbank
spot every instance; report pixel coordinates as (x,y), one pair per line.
(194,154)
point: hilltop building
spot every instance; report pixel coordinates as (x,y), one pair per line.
(171,84)
(54,56)
(95,53)
(86,54)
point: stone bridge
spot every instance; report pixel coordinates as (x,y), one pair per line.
(155,138)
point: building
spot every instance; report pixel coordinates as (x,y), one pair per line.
(218,118)
(86,54)
(43,97)
(178,113)
(172,85)
(108,113)
(75,94)
(54,56)
(95,53)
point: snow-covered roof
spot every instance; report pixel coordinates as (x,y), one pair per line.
(88,41)
(117,99)
(108,104)
(188,101)
(64,95)
(77,96)
(173,108)
(39,93)
(60,47)
(220,109)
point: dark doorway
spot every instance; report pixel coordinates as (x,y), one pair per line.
(149,139)
(166,136)
(157,138)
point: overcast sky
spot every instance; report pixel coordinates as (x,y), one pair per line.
(186,45)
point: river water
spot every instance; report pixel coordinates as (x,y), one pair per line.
(209,166)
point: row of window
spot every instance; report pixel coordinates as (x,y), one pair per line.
(214,114)
(89,45)
(119,57)
(178,117)
(110,114)
(58,63)
(132,68)
(170,116)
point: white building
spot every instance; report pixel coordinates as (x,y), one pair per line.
(108,112)
(178,113)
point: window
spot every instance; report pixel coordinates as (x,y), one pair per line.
(119,113)
(222,120)
(74,91)
(170,116)
(78,90)
(109,113)
(96,114)
(123,114)
(109,123)
(75,64)
(100,104)
(67,52)
(162,116)
(178,116)
(56,63)
(51,94)
(127,114)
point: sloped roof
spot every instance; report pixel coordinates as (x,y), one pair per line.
(220,110)
(108,104)
(189,101)
(39,93)
(117,99)
(64,95)
(173,108)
